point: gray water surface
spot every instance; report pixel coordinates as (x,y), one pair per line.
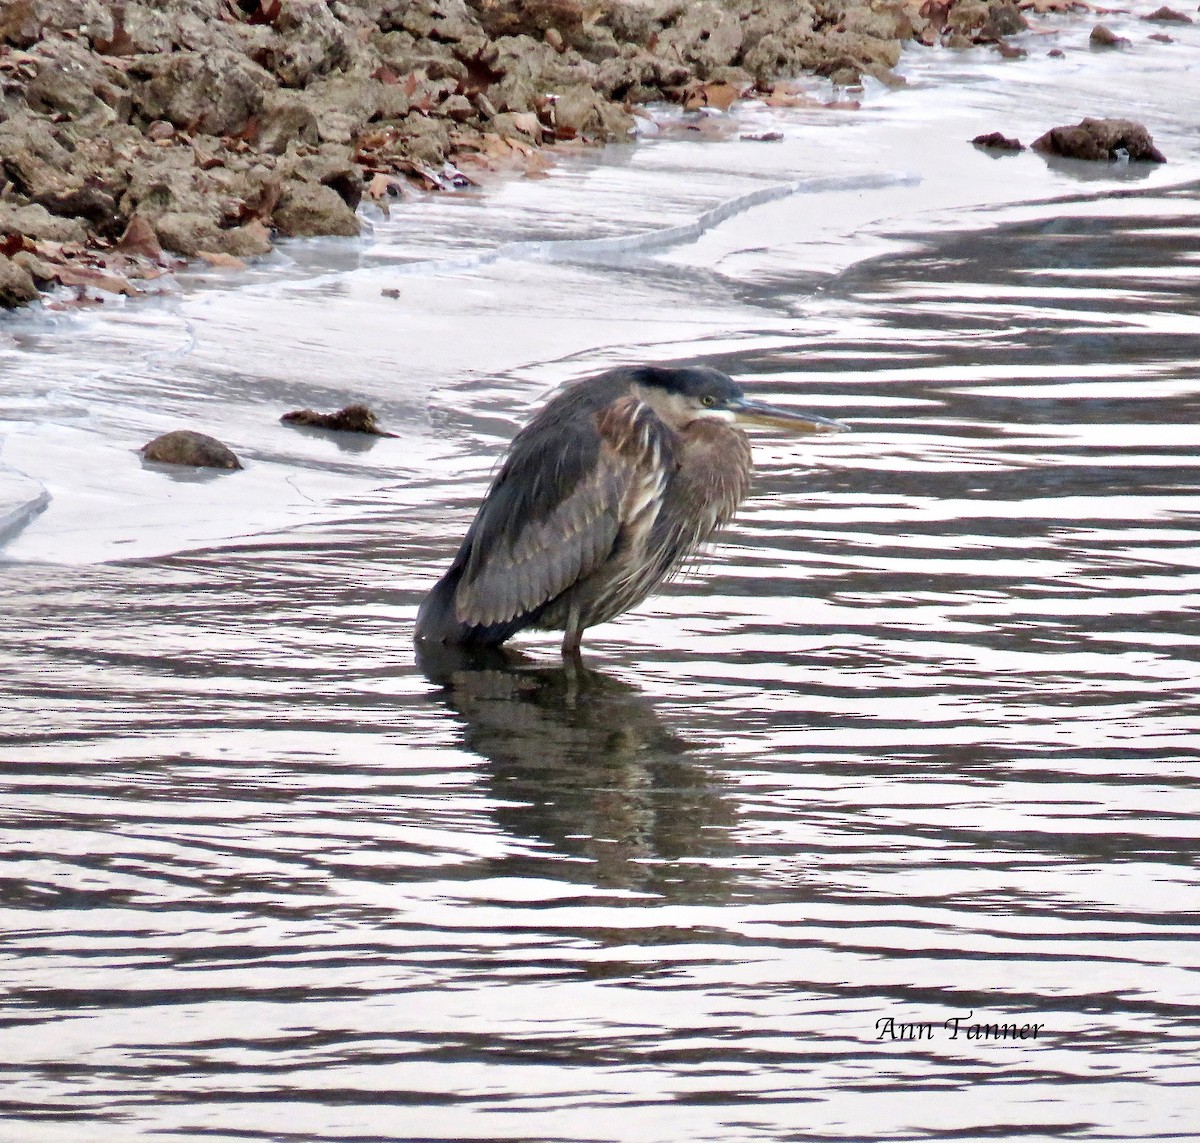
(921,742)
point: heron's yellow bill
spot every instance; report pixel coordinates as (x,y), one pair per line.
(757,413)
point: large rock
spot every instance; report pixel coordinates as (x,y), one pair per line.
(1101,139)
(308,209)
(196,450)
(217,93)
(285,118)
(16,284)
(330,165)
(706,36)
(312,42)
(36,222)
(192,233)
(24,22)
(580,111)
(74,82)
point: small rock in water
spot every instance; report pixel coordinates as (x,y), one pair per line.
(1103,37)
(995,141)
(183,446)
(1002,20)
(1056,53)
(763,137)
(1165,15)
(1101,139)
(16,284)
(1159,38)
(352,419)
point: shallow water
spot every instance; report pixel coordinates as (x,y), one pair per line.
(920,741)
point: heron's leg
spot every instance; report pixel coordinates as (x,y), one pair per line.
(573,635)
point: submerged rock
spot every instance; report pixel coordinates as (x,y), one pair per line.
(1165,15)
(1101,139)
(995,141)
(183,446)
(355,418)
(1103,37)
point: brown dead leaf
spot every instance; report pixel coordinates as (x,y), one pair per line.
(480,76)
(266,12)
(139,238)
(221,260)
(206,161)
(121,43)
(779,98)
(86,276)
(722,96)
(11,244)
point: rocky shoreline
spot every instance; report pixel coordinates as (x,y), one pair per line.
(135,133)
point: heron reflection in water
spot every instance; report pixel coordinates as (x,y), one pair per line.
(580,762)
(603,495)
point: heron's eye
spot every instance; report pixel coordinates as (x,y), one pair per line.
(708,400)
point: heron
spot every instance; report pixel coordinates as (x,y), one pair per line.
(603,495)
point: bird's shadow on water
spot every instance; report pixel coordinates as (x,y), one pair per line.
(580,762)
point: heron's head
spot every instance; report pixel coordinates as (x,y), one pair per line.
(680,396)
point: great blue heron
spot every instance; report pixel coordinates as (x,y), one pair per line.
(603,494)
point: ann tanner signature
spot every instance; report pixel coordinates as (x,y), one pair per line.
(889,1028)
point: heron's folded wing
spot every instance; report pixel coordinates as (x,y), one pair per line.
(551,518)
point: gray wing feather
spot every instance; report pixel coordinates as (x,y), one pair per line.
(522,565)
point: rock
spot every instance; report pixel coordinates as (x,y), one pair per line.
(74,82)
(24,22)
(183,446)
(35,221)
(579,111)
(16,284)
(217,93)
(31,157)
(93,204)
(1103,38)
(285,118)
(968,17)
(330,165)
(192,233)
(1101,139)
(308,209)
(995,141)
(1167,15)
(352,419)
(882,19)
(1003,20)
(312,42)
(705,36)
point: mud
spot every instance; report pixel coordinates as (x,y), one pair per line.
(135,131)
